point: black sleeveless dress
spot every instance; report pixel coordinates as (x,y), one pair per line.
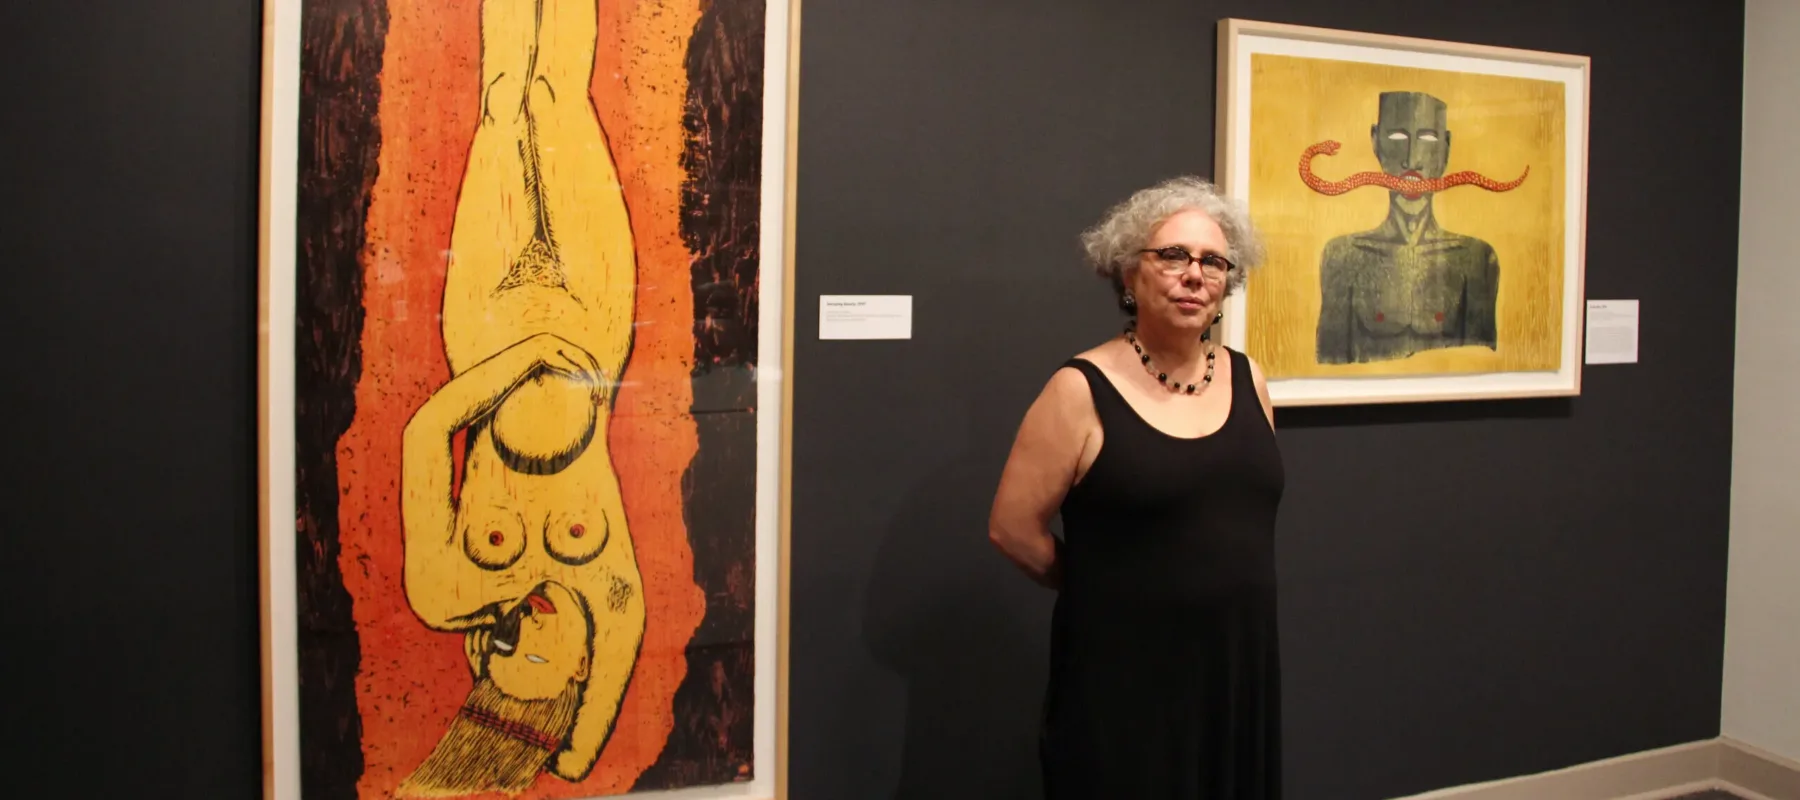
(1165,669)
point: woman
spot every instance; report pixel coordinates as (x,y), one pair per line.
(1158,449)
(529,557)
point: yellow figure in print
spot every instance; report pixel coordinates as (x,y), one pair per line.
(530,559)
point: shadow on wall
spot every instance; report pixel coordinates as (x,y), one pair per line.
(965,630)
(1345,416)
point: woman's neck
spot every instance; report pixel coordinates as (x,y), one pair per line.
(1172,350)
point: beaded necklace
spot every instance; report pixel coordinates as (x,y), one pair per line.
(1163,377)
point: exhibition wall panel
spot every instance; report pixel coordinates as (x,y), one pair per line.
(1470,590)
(130,309)
(1762,630)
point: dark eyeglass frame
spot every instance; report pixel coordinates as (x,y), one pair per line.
(1176,252)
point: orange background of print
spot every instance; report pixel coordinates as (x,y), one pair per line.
(412,680)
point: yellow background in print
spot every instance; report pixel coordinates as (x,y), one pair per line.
(1498,127)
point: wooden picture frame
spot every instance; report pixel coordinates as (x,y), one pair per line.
(384,171)
(1373,292)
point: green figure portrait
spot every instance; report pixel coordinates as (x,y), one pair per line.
(1407,285)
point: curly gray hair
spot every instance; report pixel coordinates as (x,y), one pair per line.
(1113,244)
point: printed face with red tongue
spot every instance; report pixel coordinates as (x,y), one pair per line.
(1410,140)
(547,648)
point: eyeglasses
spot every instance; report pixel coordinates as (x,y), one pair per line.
(1174,260)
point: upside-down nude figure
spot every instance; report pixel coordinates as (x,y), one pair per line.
(531,561)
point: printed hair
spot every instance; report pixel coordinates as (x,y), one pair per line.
(495,743)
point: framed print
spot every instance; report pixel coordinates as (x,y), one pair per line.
(1422,204)
(525,347)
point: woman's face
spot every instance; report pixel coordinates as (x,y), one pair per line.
(541,645)
(1174,290)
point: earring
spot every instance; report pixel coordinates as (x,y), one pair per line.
(1218,317)
(1130,301)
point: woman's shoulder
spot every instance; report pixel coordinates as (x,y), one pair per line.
(1073,380)
(1104,354)
(1077,368)
(1258,381)
(1244,358)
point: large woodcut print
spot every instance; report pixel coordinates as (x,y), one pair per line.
(1423,207)
(523,343)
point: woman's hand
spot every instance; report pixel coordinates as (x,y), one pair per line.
(475,646)
(561,356)
(474,393)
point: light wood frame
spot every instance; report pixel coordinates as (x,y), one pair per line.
(1237,38)
(275,393)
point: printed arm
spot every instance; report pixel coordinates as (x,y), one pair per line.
(1484,295)
(1046,455)
(439,577)
(618,636)
(1333,333)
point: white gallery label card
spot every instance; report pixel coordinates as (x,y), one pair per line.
(1612,331)
(865,316)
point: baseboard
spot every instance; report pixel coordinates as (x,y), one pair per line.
(1758,774)
(1650,775)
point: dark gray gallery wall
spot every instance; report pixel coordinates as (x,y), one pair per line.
(1571,608)
(1469,591)
(129,311)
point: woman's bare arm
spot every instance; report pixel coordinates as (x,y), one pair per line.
(1045,462)
(1262,390)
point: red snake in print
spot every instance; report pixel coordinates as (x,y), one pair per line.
(1412,188)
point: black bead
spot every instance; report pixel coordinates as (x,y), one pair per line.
(1162,376)
(1146,359)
